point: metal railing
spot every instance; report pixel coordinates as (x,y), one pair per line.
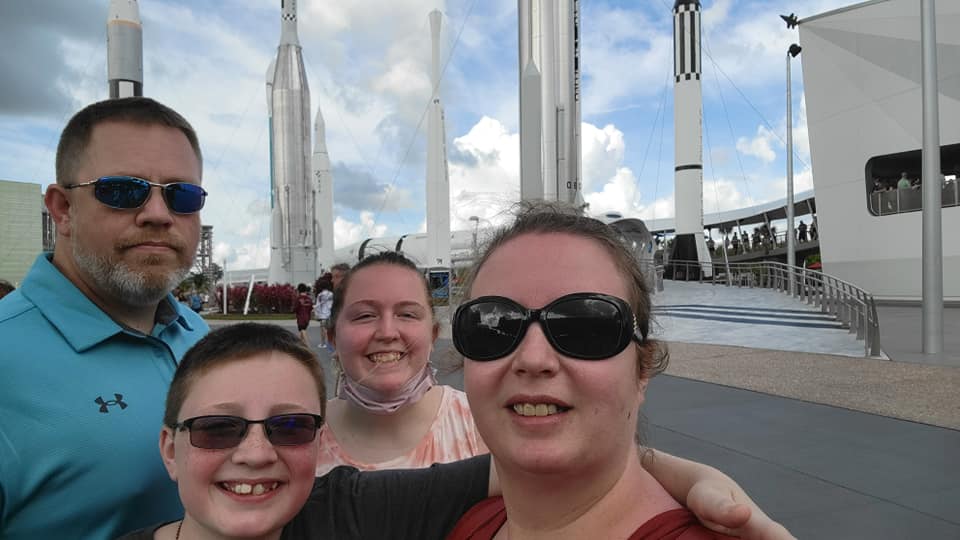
(853,307)
(900,200)
(654,275)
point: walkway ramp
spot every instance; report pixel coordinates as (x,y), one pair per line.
(693,312)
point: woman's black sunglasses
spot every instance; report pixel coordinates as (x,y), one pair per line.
(588,326)
(219,432)
(126,192)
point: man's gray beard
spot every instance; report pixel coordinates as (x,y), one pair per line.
(122,283)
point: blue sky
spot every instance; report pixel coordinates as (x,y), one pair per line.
(368,64)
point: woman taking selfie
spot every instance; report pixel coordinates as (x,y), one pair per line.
(555,333)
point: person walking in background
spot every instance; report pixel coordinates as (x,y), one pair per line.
(196,303)
(321,308)
(303,308)
(92,337)
(802,231)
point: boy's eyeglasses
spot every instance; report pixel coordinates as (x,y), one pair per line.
(127,192)
(587,326)
(219,432)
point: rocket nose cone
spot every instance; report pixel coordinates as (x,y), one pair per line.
(319,131)
(124,10)
(288,22)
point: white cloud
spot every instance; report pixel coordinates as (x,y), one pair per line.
(242,256)
(484,173)
(617,194)
(722,194)
(602,151)
(758,147)
(664,207)
(346,232)
(623,62)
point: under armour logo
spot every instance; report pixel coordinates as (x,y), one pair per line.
(105,405)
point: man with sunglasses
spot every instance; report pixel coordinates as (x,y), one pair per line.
(93,336)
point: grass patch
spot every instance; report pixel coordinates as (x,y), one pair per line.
(250,317)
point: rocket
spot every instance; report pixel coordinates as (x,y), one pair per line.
(323,190)
(124,49)
(549,52)
(293,224)
(689,243)
(438,181)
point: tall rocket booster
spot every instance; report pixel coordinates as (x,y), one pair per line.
(550,100)
(323,188)
(124,49)
(438,181)
(293,224)
(689,243)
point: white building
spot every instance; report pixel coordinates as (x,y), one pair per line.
(21,229)
(862,79)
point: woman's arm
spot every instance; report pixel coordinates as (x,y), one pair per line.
(713,497)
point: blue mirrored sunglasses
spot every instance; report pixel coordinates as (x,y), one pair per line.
(126,192)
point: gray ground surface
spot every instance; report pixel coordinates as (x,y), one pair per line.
(921,393)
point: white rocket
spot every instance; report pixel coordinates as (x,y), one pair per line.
(124,49)
(323,189)
(550,100)
(689,243)
(438,181)
(293,230)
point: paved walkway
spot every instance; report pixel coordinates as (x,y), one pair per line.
(901,335)
(692,312)
(822,471)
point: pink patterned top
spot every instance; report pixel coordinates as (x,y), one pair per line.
(453,436)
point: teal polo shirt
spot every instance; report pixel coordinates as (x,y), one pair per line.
(81,408)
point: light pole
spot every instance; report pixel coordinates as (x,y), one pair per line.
(792,52)
(225,280)
(476,225)
(932,224)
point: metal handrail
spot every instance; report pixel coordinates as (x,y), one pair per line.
(852,306)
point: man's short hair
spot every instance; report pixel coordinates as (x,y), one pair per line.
(137,110)
(341,267)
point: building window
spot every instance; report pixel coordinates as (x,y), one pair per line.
(893,181)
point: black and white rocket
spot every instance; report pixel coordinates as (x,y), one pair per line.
(549,54)
(438,180)
(293,195)
(689,243)
(124,49)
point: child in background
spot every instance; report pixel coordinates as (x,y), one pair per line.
(321,309)
(303,308)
